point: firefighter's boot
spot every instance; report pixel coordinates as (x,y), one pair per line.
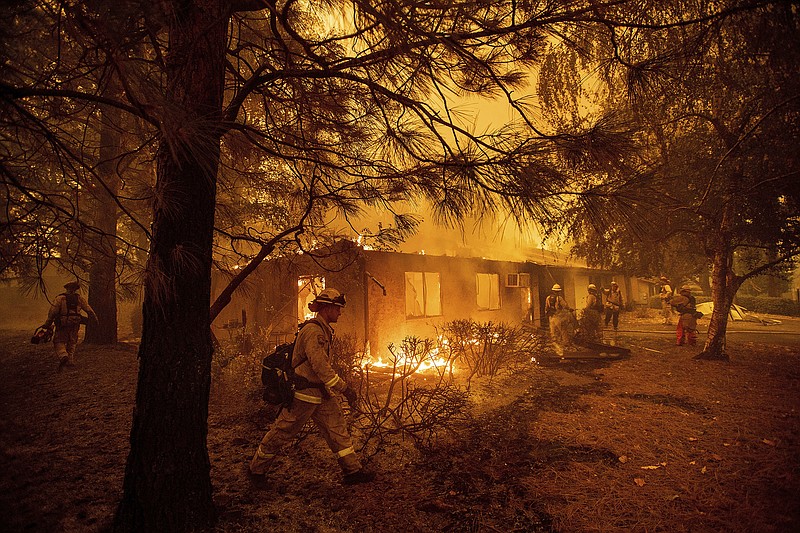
(359,476)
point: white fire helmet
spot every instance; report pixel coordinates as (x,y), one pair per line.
(330,296)
(556,287)
(592,287)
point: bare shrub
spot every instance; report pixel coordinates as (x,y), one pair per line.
(488,348)
(394,401)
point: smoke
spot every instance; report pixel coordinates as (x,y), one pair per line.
(499,238)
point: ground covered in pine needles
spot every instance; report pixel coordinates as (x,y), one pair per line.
(653,442)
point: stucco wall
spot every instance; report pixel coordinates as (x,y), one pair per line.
(374,319)
(387,318)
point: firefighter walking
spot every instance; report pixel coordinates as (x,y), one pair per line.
(613,305)
(65,314)
(685,304)
(319,402)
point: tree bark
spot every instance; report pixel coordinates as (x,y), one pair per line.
(167,485)
(103,271)
(724,284)
(103,290)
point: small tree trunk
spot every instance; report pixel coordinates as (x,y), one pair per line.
(722,297)
(724,284)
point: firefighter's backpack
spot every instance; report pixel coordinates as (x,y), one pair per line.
(277,375)
(71,316)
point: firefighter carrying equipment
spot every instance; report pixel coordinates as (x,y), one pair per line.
(42,335)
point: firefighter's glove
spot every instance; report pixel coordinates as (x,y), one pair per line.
(340,386)
(351,396)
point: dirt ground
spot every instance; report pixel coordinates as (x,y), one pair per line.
(653,442)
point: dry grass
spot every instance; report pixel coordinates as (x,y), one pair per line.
(557,447)
(699,446)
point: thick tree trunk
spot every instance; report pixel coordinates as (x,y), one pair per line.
(167,484)
(103,271)
(103,296)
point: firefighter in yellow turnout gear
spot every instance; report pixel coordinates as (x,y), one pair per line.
(560,319)
(316,402)
(65,314)
(591,323)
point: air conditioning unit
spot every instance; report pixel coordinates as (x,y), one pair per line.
(518,279)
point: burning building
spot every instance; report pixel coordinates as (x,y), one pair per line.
(391,295)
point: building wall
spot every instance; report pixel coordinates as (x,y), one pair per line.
(641,291)
(270,296)
(581,283)
(574,283)
(268,299)
(374,319)
(387,321)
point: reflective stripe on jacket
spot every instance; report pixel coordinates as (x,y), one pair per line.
(313,346)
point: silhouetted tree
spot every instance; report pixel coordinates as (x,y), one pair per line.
(717,105)
(286,115)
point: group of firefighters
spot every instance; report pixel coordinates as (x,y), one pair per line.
(602,308)
(321,402)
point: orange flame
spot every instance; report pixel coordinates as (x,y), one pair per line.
(431,362)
